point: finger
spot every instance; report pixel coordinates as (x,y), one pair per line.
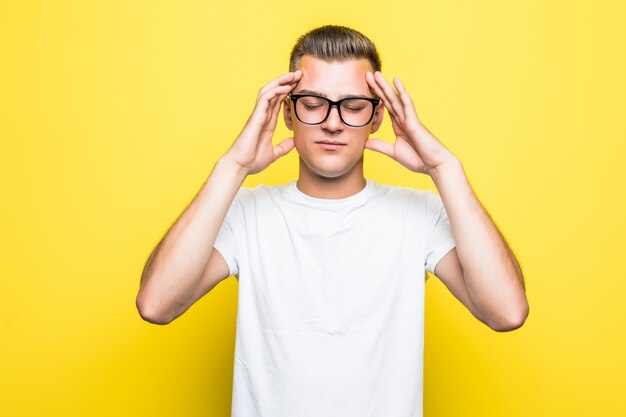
(277,105)
(385,99)
(404,95)
(380,146)
(264,102)
(379,92)
(410,107)
(391,95)
(283,148)
(276,91)
(401,134)
(271,116)
(393,101)
(369,77)
(289,78)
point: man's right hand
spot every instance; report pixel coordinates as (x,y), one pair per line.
(253,150)
(184,266)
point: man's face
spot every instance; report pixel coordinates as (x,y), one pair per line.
(331,149)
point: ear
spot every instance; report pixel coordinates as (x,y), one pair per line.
(378,117)
(287,113)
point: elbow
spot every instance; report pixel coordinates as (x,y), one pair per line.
(150,312)
(513,321)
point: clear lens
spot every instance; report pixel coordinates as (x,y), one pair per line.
(312,109)
(356,112)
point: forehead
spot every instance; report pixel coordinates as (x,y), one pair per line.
(334,79)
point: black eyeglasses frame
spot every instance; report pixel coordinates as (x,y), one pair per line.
(375,101)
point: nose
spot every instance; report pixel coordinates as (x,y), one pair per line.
(333,122)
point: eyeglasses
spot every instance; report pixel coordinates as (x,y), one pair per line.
(353,111)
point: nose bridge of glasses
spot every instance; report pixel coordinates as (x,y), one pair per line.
(336,104)
(333,118)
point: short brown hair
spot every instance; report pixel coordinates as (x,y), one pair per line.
(334,43)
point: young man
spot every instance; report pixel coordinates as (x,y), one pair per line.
(331,267)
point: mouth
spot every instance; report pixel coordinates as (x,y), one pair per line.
(330,144)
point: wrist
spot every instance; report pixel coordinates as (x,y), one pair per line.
(451,167)
(231,167)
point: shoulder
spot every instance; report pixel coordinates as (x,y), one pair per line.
(260,193)
(409,194)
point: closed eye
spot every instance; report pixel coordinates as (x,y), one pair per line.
(353,108)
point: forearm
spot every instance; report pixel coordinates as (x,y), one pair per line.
(493,278)
(173,271)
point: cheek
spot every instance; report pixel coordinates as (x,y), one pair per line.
(303,133)
(360,138)
(301,143)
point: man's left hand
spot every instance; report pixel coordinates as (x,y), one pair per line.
(415,147)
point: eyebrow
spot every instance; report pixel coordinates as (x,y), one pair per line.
(317,93)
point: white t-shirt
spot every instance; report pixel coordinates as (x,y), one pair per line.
(330,318)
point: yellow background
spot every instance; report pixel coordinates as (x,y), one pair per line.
(112,114)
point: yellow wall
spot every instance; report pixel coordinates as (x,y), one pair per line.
(112,114)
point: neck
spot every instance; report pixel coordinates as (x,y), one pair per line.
(343,186)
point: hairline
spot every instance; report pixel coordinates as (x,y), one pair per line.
(296,62)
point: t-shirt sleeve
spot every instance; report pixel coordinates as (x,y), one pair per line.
(439,239)
(226,241)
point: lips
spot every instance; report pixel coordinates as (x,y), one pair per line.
(330,145)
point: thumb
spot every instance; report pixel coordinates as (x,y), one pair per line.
(283,148)
(381,146)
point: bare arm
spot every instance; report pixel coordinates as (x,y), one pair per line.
(482,271)
(482,267)
(184,265)
(174,269)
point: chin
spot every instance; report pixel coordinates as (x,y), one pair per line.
(331,169)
